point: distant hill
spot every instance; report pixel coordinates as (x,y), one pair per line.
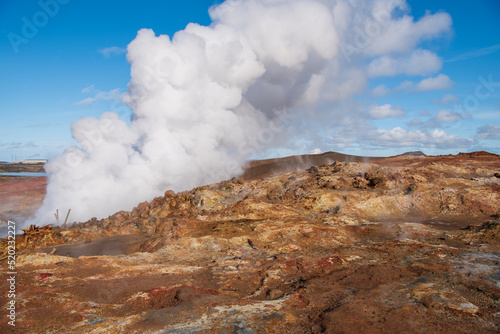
(263,168)
(414,154)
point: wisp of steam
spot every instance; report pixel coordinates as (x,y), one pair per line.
(207,98)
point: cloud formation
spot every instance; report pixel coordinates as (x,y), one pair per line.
(419,62)
(447,99)
(489,131)
(435,138)
(445,116)
(112,51)
(114,94)
(439,82)
(385,111)
(381,90)
(18,146)
(404,34)
(475,53)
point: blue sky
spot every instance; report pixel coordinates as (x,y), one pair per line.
(74,65)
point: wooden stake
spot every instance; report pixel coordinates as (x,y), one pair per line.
(57,216)
(64,225)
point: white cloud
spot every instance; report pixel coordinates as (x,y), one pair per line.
(407,84)
(419,62)
(88,89)
(87,101)
(315,151)
(489,131)
(399,137)
(447,99)
(381,90)
(385,111)
(404,34)
(475,53)
(414,122)
(17,146)
(446,116)
(424,112)
(112,51)
(100,95)
(439,82)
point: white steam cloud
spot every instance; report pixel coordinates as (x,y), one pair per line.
(207,98)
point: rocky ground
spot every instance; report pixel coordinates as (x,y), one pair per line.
(407,244)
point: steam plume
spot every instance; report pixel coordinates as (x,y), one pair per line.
(207,98)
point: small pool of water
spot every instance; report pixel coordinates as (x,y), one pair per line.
(23,174)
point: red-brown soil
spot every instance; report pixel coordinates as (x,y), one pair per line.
(405,244)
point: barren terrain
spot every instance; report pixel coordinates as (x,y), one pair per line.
(407,244)
(20,196)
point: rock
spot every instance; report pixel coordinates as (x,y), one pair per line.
(411,188)
(434,297)
(313,169)
(45,276)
